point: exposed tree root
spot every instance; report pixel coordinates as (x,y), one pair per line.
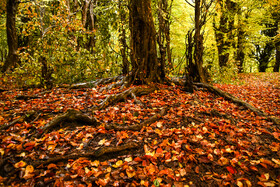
(138,127)
(133,92)
(215,112)
(76,118)
(93,155)
(236,100)
(29,117)
(103,153)
(70,118)
(97,82)
(26,97)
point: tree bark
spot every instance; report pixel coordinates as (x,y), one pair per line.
(122,38)
(145,67)
(163,35)
(276,67)
(240,55)
(224,32)
(12,40)
(198,42)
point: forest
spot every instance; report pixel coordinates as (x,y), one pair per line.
(175,93)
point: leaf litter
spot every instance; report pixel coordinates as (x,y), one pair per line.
(203,140)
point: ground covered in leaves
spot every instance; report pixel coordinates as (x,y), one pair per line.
(202,140)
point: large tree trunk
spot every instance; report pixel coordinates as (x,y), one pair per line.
(145,67)
(12,58)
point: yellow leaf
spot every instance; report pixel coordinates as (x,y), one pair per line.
(28,172)
(266,176)
(269,184)
(51,147)
(2,151)
(277,161)
(95,163)
(239,184)
(118,164)
(108,170)
(87,170)
(101,142)
(20,164)
(130,172)
(29,169)
(129,159)
(159,124)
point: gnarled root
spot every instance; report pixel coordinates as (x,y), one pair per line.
(96,155)
(70,118)
(133,92)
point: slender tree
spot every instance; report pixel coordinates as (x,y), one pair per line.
(122,37)
(195,71)
(12,39)
(163,34)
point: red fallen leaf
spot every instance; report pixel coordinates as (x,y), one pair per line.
(52,166)
(264,165)
(159,151)
(254,168)
(137,159)
(102,182)
(231,169)
(180,113)
(163,172)
(29,145)
(144,163)
(276,135)
(196,169)
(266,161)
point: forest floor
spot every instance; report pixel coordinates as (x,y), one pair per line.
(201,140)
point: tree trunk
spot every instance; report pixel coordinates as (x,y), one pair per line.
(224,32)
(240,50)
(277,63)
(198,41)
(163,36)
(122,39)
(12,58)
(145,68)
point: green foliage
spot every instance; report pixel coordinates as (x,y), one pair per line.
(3,40)
(56,34)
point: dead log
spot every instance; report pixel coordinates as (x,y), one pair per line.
(70,118)
(112,99)
(96,155)
(236,100)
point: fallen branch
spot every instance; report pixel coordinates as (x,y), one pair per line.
(93,155)
(236,100)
